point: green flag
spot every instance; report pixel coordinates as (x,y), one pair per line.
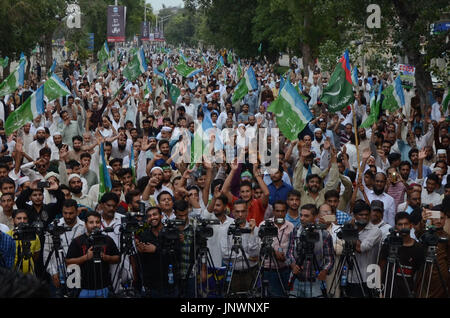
(30,109)
(103,54)
(446,101)
(393,96)
(174,92)
(247,83)
(4,62)
(375,106)
(230,57)
(291,112)
(260,48)
(163,66)
(136,66)
(55,88)
(14,80)
(339,91)
(187,71)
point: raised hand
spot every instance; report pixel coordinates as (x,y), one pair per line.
(366,154)
(422,154)
(327,144)
(217,191)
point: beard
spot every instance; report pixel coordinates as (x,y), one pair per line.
(121,147)
(75,190)
(76,149)
(378,192)
(41,140)
(313,189)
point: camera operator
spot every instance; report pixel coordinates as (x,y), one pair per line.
(411,257)
(305,283)
(279,245)
(187,280)
(20,218)
(441,240)
(95,278)
(218,207)
(366,247)
(73,227)
(154,264)
(242,276)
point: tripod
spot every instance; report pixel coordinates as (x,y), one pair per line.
(127,250)
(430,261)
(306,252)
(267,252)
(394,261)
(58,251)
(236,248)
(169,251)
(24,254)
(203,259)
(348,260)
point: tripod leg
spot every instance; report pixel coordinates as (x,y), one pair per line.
(423,279)
(232,273)
(258,274)
(283,289)
(359,275)
(337,273)
(392,281)
(429,280)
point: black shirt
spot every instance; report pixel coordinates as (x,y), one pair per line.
(154,265)
(411,259)
(93,275)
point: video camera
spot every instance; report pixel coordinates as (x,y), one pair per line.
(56,230)
(204,231)
(268,229)
(27,232)
(130,222)
(235,229)
(395,238)
(97,239)
(170,230)
(430,238)
(348,232)
(309,234)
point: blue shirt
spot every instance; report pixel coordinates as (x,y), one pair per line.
(414,173)
(278,194)
(295,222)
(162,162)
(404,149)
(342,217)
(8,250)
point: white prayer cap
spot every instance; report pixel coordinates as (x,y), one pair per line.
(73,175)
(167,129)
(40,129)
(241,125)
(57,133)
(156,168)
(437,169)
(51,174)
(441,152)
(23,180)
(216,91)
(77,98)
(317,130)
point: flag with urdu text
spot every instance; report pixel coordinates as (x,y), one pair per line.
(55,88)
(105,184)
(291,112)
(446,102)
(393,96)
(339,91)
(14,80)
(136,66)
(247,83)
(375,106)
(28,111)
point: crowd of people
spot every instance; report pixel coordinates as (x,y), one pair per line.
(388,180)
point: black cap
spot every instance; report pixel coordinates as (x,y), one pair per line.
(377,205)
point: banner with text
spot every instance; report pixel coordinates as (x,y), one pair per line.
(116,23)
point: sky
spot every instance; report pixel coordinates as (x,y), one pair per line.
(157,4)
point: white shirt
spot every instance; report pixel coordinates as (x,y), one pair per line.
(66,239)
(250,245)
(389,205)
(430,198)
(116,153)
(436,112)
(34,148)
(214,241)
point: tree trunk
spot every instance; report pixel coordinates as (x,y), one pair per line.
(48,50)
(27,71)
(6,70)
(307,58)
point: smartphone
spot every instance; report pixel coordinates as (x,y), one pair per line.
(329,218)
(435,214)
(43,184)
